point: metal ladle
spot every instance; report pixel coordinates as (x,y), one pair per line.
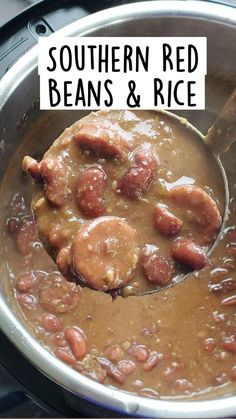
(220,136)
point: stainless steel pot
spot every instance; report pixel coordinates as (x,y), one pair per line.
(19,92)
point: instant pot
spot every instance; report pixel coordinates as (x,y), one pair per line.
(63,390)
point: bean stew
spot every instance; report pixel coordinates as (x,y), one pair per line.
(125,202)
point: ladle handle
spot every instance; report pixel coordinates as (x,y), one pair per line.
(222,133)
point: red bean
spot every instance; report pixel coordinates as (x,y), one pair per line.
(104,362)
(148,332)
(114,353)
(188,253)
(90,189)
(209,345)
(155,267)
(229,343)
(51,323)
(65,355)
(27,281)
(153,361)
(140,353)
(31,166)
(77,341)
(219,317)
(183,385)
(13,225)
(98,375)
(126,366)
(166,222)
(172,370)
(116,374)
(79,367)
(229,301)
(135,182)
(55,176)
(221,379)
(233,373)
(223,287)
(28,301)
(137,384)
(25,236)
(138,179)
(57,295)
(59,339)
(148,392)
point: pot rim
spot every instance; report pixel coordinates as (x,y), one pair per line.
(56,370)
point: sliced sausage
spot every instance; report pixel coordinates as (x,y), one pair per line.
(56,239)
(56,295)
(144,157)
(138,179)
(77,341)
(205,211)
(188,253)
(166,222)
(155,267)
(31,166)
(103,139)
(55,176)
(89,193)
(104,253)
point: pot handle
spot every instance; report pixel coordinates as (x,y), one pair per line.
(21,33)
